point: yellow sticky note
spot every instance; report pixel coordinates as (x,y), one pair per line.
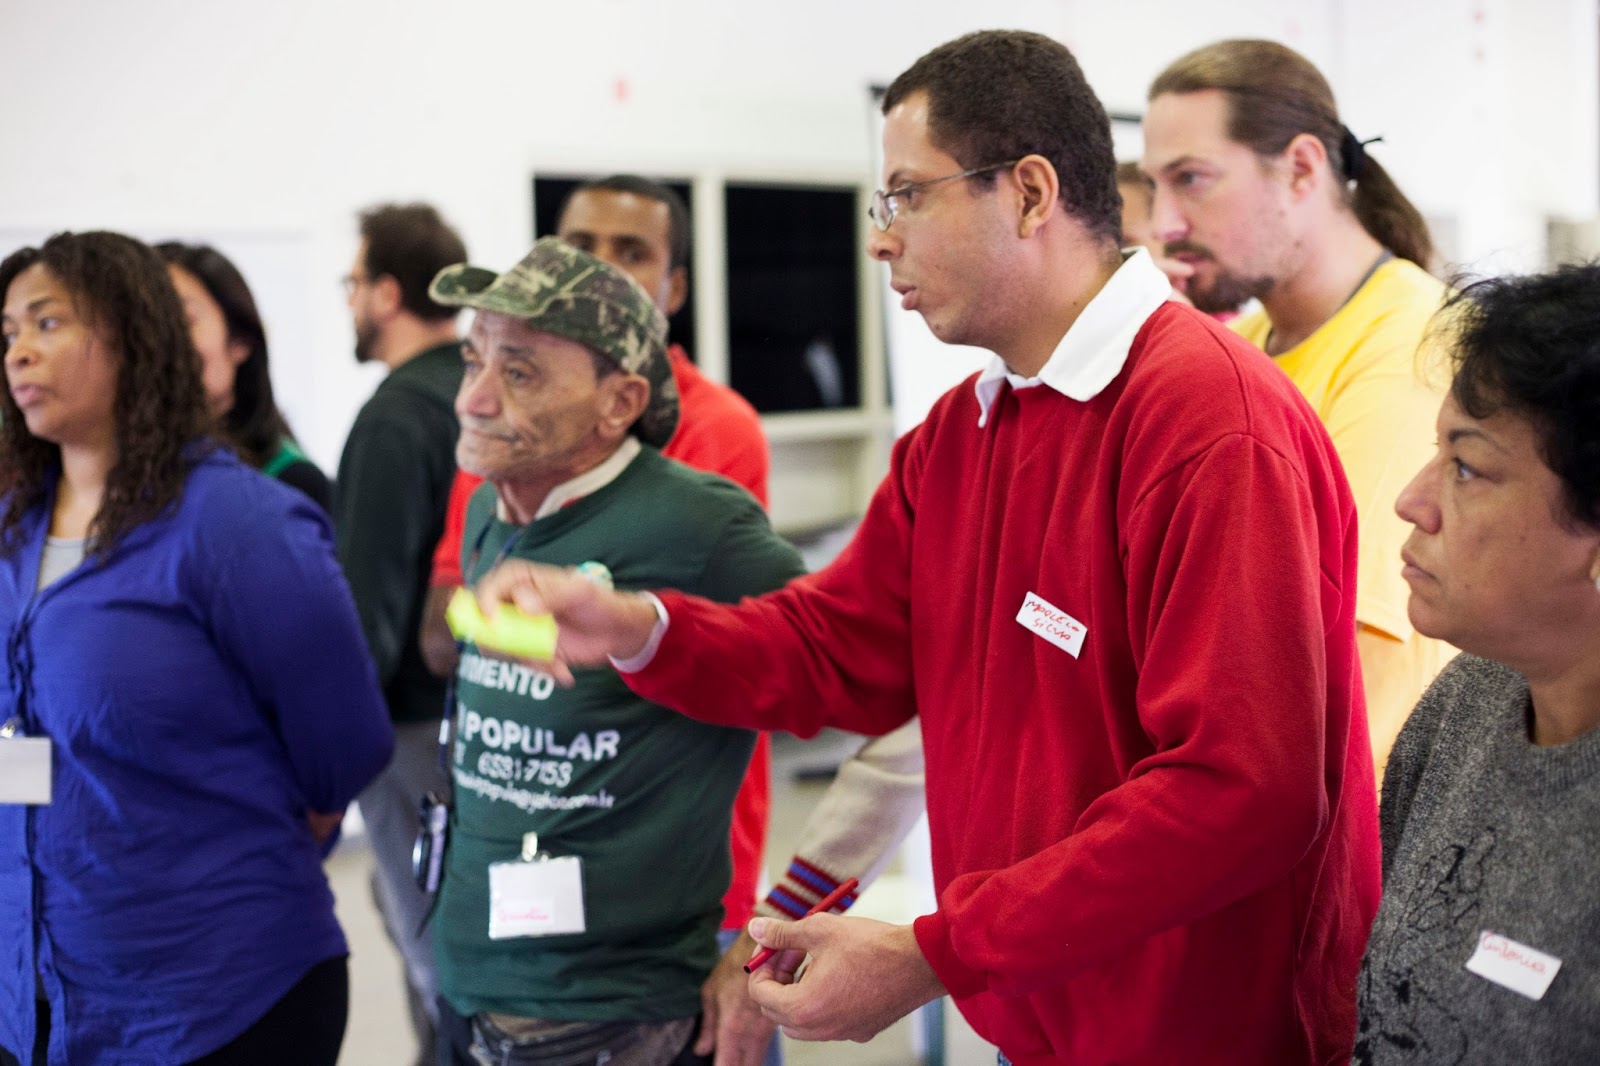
(510,632)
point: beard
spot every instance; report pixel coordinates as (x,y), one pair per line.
(1226,290)
(366,340)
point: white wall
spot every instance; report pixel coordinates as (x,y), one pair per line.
(269,125)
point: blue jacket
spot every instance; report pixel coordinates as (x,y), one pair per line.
(204,685)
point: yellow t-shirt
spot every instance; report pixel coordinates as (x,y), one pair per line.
(1378,396)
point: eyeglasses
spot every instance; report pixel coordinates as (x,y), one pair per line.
(351,283)
(886,204)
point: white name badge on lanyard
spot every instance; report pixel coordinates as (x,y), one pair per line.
(536,895)
(1509,964)
(25,770)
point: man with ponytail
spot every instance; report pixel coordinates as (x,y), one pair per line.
(1265,193)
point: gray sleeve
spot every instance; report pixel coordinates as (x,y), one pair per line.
(1408,760)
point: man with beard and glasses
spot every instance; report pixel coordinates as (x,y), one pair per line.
(394,481)
(1264,193)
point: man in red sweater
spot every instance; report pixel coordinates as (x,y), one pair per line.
(1115,575)
(642,228)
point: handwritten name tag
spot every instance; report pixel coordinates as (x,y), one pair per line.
(1053,624)
(1512,965)
(542,898)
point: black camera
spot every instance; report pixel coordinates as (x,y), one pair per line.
(427,854)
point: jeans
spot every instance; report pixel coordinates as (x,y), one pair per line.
(477,1041)
(389,809)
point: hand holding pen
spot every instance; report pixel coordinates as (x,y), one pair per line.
(824,905)
(859,975)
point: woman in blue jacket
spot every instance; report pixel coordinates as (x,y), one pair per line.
(177,627)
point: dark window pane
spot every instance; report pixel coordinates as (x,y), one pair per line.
(792,306)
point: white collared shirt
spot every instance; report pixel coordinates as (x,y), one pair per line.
(1096,346)
(592,480)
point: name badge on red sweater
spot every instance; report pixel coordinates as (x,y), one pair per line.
(1053,624)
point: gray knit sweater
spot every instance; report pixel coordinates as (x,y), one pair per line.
(1483,832)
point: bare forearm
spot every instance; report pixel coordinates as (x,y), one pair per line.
(434,637)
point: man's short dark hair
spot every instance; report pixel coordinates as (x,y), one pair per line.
(998,95)
(411,243)
(679,227)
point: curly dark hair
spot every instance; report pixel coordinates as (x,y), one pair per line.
(253,425)
(1531,345)
(1004,94)
(122,290)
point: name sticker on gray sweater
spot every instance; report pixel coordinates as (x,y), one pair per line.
(1512,965)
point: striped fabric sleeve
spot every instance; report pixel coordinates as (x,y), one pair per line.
(857,826)
(802,887)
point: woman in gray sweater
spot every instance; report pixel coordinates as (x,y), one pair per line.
(1485,949)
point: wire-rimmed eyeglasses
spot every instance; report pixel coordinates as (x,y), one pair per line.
(885,204)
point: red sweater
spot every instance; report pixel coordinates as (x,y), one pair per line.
(1162,850)
(720,433)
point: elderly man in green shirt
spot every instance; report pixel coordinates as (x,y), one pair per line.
(588,849)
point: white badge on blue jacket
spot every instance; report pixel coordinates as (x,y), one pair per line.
(24,766)
(536,895)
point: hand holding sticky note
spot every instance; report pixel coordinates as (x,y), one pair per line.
(510,632)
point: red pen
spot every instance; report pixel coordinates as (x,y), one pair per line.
(824,905)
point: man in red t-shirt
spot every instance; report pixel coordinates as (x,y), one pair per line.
(642,228)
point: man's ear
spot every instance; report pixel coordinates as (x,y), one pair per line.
(677,291)
(1305,162)
(623,398)
(1039,190)
(387,298)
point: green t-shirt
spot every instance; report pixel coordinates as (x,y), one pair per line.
(640,793)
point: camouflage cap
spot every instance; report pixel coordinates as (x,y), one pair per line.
(562,290)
